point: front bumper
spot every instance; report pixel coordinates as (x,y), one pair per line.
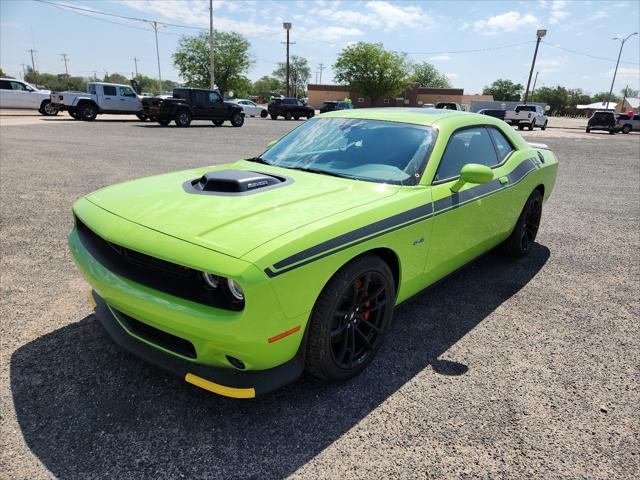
(223,381)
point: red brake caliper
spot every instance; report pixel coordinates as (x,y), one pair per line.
(365,316)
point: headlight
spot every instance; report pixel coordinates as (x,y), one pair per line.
(235,290)
(210,279)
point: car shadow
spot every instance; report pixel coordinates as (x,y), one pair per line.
(197,125)
(87,408)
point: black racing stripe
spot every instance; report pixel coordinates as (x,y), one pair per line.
(396,222)
(357,234)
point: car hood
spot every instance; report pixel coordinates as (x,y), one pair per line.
(235,224)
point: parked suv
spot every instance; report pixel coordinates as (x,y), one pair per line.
(332,105)
(602,121)
(17,94)
(189,104)
(289,108)
(625,123)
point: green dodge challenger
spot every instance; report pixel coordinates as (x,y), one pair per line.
(238,277)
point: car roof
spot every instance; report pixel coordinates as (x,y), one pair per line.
(417,116)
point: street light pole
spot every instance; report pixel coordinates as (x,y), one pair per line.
(155,26)
(539,34)
(287,27)
(211,41)
(535,80)
(615,72)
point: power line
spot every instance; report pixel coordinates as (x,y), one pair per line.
(588,54)
(475,50)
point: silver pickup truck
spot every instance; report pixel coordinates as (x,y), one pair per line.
(527,116)
(100,98)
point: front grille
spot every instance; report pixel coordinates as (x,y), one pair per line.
(167,277)
(156,336)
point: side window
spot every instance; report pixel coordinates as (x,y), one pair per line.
(503,146)
(199,97)
(17,86)
(126,92)
(471,145)
(636,117)
(109,90)
(5,85)
(214,97)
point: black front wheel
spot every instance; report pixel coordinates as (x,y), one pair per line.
(88,112)
(164,123)
(287,116)
(183,118)
(350,319)
(142,117)
(274,117)
(544,127)
(263,114)
(237,120)
(74,114)
(526,229)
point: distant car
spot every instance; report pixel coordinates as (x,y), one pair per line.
(189,104)
(625,123)
(289,108)
(602,121)
(428,105)
(493,113)
(100,98)
(18,94)
(449,106)
(529,116)
(333,105)
(250,108)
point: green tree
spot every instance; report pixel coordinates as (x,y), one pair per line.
(232,61)
(55,82)
(426,75)
(4,75)
(603,96)
(266,86)
(556,97)
(243,87)
(150,85)
(629,93)
(371,70)
(504,90)
(116,78)
(577,97)
(299,73)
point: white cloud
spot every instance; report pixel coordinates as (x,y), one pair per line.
(599,14)
(631,74)
(440,58)
(505,22)
(452,76)
(331,33)
(548,65)
(377,14)
(558,11)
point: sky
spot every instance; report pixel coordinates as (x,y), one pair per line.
(472,42)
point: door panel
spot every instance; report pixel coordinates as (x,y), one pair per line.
(109,97)
(128,100)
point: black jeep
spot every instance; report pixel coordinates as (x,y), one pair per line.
(602,121)
(289,108)
(188,104)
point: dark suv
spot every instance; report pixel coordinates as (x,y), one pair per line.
(602,121)
(289,108)
(192,104)
(332,105)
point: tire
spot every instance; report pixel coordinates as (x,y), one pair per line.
(544,127)
(47,109)
(183,118)
(588,130)
(164,123)
(520,127)
(287,116)
(87,112)
(626,129)
(218,123)
(263,114)
(340,346)
(74,114)
(612,131)
(311,115)
(530,126)
(142,117)
(296,117)
(237,119)
(274,117)
(526,229)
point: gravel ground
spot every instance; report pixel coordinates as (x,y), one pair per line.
(525,369)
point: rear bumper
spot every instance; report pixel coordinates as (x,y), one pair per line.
(223,381)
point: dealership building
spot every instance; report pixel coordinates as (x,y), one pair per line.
(413,96)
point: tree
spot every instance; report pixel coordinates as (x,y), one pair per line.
(556,97)
(603,96)
(243,87)
(4,75)
(629,93)
(55,82)
(232,61)
(150,85)
(504,90)
(371,70)
(299,73)
(426,75)
(266,86)
(116,78)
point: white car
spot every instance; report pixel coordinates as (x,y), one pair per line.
(250,108)
(100,98)
(527,116)
(18,94)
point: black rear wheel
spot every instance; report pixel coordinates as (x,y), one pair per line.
(218,123)
(183,118)
(88,112)
(350,319)
(142,117)
(263,114)
(164,123)
(48,109)
(526,229)
(287,116)
(274,117)
(237,119)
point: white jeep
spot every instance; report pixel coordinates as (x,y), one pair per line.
(100,98)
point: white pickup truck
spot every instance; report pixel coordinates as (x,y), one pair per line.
(100,98)
(527,116)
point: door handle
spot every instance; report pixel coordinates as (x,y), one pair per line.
(504,180)
(123,99)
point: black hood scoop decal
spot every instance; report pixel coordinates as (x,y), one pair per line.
(234,182)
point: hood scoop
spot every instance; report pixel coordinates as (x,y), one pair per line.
(234,182)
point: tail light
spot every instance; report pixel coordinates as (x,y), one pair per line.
(529,116)
(61,97)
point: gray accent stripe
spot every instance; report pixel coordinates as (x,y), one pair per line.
(396,222)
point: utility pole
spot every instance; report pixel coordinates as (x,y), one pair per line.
(535,80)
(615,72)
(135,62)
(211,42)
(24,71)
(33,66)
(155,26)
(321,67)
(539,35)
(95,75)
(287,27)
(624,97)
(65,59)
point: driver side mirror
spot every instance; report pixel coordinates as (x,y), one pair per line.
(473,173)
(271,144)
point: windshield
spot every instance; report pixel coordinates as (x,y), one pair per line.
(370,150)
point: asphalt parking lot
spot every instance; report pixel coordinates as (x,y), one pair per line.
(509,369)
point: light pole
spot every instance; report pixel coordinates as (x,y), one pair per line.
(615,72)
(535,80)
(287,27)
(155,26)
(211,41)
(539,34)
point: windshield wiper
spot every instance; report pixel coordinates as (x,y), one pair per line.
(257,160)
(320,171)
